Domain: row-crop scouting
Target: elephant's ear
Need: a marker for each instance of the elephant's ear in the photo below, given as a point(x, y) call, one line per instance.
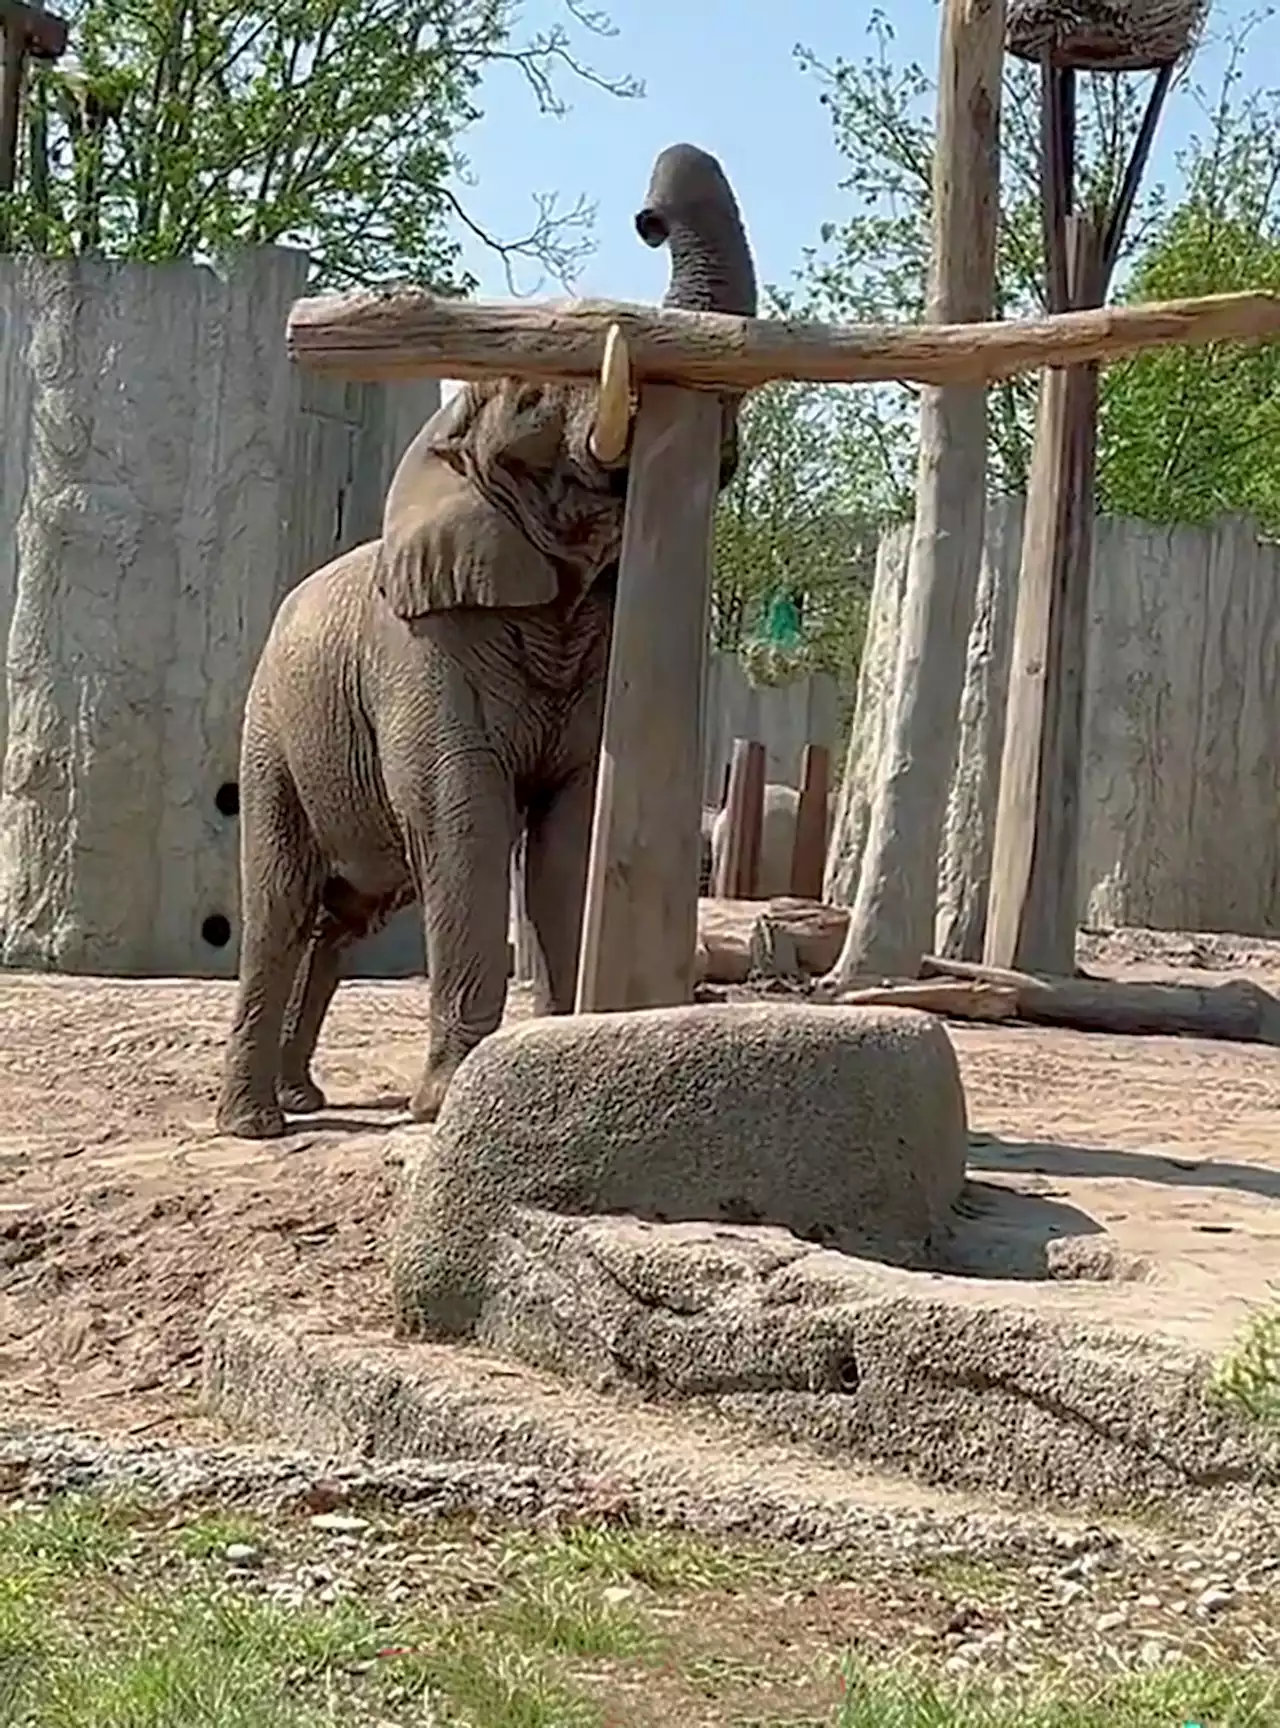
point(444, 543)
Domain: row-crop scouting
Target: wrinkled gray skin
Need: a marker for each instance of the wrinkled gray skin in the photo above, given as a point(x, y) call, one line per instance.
point(777, 838)
point(423, 698)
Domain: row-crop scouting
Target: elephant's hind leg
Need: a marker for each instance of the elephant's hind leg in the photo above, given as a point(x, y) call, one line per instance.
point(280, 880)
point(346, 918)
point(313, 988)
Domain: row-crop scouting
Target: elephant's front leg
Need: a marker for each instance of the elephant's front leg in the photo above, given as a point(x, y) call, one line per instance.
point(557, 847)
point(459, 850)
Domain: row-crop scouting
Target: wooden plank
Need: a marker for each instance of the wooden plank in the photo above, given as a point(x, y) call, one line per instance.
point(640, 917)
point(13, 56)
point(1033, 908)
point(739, 865)
point(892, 920)
point(809, 853)
point(385, 334)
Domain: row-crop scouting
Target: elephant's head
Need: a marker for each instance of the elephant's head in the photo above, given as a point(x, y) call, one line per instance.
point(513, 493)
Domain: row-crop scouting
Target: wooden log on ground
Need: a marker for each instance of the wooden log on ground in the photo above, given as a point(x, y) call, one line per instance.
point(801, 938)
point(739, 864)
point(640, 914)
point(1237, 1009)
point(892, 921)
point(809, 849)
point(386, 334)
point(950, 999)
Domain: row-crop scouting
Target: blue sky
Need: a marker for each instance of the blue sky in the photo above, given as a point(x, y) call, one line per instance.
point(719, 73)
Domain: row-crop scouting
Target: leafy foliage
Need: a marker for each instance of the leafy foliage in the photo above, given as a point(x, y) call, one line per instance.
point(182, 128)
point(1248, 1377)
point(1181, 431)
point(1190, 433)
point(787, 530)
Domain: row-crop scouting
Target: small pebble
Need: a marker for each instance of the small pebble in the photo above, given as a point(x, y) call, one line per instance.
point(1214, 1600)
point(1113, 1621)
point(241, 1554)
point(339, 1523)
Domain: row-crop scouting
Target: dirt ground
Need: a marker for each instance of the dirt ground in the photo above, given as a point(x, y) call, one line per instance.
point(123, 1215)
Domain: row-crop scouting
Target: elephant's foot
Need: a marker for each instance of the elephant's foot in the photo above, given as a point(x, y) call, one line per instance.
point(300, 1097)
point(425, 1104)
point(246, 1118)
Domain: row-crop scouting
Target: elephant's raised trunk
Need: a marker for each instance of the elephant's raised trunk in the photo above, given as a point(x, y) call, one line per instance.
point(690, 207)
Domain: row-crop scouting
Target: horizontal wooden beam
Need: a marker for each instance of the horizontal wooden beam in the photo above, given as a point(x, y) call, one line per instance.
point(407, 333)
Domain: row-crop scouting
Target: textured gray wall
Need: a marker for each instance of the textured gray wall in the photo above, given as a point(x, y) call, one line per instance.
point(1182, 763)
point(166, 475)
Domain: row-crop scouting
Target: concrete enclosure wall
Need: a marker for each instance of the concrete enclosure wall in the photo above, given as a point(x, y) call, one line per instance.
point(166, 475)
point(1181, 792)
point(782, 717)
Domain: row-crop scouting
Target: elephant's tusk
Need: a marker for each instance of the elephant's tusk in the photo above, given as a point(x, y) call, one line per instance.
point(613, 413)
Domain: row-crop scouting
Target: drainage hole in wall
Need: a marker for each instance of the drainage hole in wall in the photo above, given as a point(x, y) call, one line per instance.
point(844, 1374)
point(227, 798)
point(216, 930)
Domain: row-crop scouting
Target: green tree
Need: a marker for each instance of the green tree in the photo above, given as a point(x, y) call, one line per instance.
point(872, 267)
point(1188, 434)
point(793, 554)
point(180, 128)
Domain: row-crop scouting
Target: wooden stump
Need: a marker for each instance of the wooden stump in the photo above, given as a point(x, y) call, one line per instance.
point(744, 816)
point(809, 854)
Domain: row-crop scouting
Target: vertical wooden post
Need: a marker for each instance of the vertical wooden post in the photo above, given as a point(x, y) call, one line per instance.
point(892, 917)
point(25, 31)
point(640, 916)
point(744, 817)
point(1034, 902)
point(809, 853)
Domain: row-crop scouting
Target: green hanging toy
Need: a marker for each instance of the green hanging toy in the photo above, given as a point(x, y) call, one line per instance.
point(782, 622)
point(773, 656)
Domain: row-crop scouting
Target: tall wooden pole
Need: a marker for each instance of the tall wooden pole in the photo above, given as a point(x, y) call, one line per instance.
point(640, 916)
point(1033, 904)
point(25, 32)
point(891, 922)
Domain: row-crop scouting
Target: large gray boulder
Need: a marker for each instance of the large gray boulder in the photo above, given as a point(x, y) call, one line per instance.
point(844, 1126)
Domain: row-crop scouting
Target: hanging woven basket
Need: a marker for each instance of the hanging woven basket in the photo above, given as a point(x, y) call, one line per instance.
point(1105, 35)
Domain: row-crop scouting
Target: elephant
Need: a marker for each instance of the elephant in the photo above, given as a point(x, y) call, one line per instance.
point(777, 838)
point(426, 698)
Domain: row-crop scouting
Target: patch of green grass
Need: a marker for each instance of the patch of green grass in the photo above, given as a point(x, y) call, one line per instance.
point(559, 1614)
point(71, 1534)
point(1248, 1376)
point(214, 1532)
point(875, 1698)
point(979, 1580)
point(661, 1559)
point(105, 1622)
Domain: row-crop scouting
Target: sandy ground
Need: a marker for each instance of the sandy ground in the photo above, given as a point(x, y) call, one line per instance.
point(123, 1215)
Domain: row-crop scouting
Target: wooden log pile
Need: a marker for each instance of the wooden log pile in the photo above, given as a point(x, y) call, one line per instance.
point(798, 940)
